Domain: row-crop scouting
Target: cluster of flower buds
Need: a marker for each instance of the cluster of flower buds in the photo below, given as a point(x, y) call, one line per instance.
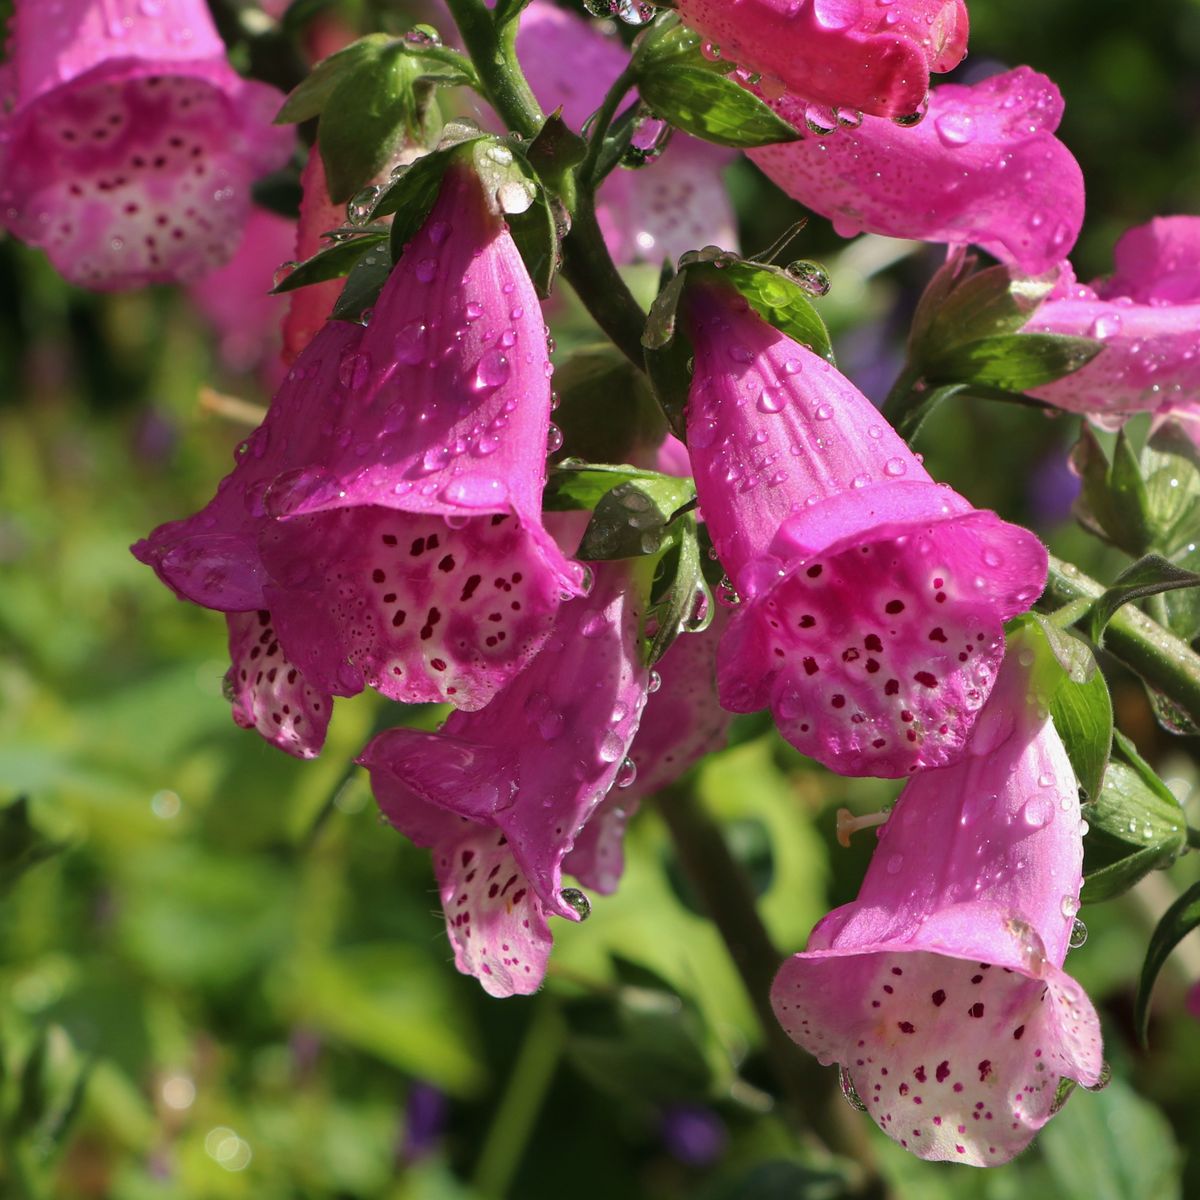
point(383, 528)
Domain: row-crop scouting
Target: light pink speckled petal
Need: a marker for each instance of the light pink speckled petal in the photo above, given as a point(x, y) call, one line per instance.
point(940, 990)
point(132, 147)
point(839, 52)
point(422, 611)
point(269, 693)
point(494, 919)
point(983, 167)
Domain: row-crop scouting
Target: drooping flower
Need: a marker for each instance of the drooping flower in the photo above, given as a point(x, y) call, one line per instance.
point(940, 989)
point(1147, 315)
point(875, 58)
point(674, 204)
point(983, 167)
point(681, 724)
point(130, 144)
point(236, 299)
point(387, 513)
point(872, 598)
point(501, 794)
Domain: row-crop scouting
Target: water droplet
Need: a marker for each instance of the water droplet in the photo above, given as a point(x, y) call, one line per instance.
point(425, 270)
point(811, 276)
point(955, 128)
point(612, 747)
point(820, 119)
point(1105, 326)
point(847, 1085)
point(292, 490)
point(1069, 906)
point(574, 899)
point(358, 211)
point(409, 346)
point(554, 438)
point(1037, 811)
point(1104, 1080)
point(626, 773)
point(654, 682)
point(772, 400)
point(824, 412)
point(492, 370)
point(1078, 935)
point(476, 491)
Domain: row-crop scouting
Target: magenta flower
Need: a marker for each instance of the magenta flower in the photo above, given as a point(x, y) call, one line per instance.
point(940, 990)
point(387, 513)
point(130, 144)
point(876, 58)
point(1147, 315)
point(675, 204)
point(682, 723)
point(873, 599)
point(236, 299)
point(983, 166)
point(501, 794)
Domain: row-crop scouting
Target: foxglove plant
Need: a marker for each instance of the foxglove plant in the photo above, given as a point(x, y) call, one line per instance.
point(838, 52)
point(982, 167)
point(1146, 315)
point(502, 794)
point(872, 598)
point(386, 515)
point(940, 989)
point(128, 144)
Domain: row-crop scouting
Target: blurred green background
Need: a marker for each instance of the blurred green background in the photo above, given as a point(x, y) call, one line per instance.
point(227, 979)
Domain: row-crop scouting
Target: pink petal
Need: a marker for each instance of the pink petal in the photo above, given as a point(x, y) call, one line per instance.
point(132, 145)
point(839, 52)
point(431, 423)
point(872, 599)
point(1158, 263)
point(269, 693)
point(983, 166)
point(939, 989)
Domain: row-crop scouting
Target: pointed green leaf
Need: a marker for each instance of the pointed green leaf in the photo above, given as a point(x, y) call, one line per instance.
point(310, 96)
point(1013, 362)
point(1177, 922)
point(331, 262)
point(1146, 577)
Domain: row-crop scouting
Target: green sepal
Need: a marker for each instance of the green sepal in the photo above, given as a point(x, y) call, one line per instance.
point(1149, 576)
point(330, 262)
point(1013, 362)
point(310, 96)
point(1177, 922)
point(631, 518)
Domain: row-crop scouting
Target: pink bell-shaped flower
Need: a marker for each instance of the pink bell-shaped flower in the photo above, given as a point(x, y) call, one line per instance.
point(872, 598)
point(982, 167)
point(872, 57)
point(387, 513)
point(682, 723)
point(940, 989)
point(130, 144)
point(501, 794)
point(1147, 315)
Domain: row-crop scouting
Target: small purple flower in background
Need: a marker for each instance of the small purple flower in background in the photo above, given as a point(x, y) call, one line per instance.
point(501, 794)
point(694, 1134)
point(1147, 315)
point(872, 598)
point(876, 58)
point(982, 167)
point(384, 522)
point(425, 1113)
point(130, 144)
point(939, 990)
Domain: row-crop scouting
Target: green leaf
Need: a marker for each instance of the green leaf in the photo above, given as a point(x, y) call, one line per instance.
point(369, 111)
point(571, 486)
point(678, 591)
point(1113, 502)
point(412, 195)
point(1146, 577)
point(331, 262)
point(1013, 362)
point(711, 106)
point(1132, 829)
point(310, 96)
point(364, 283)
point(631, 519)
point(1177, 922)
point(22, 844)
point(536, 236)
point(973, 307)
point(1110, 1145)
point(780, 301)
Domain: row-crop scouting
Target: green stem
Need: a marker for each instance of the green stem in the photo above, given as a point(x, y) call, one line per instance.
point(726, 895)
point(1066, 616)
point(902, 401)
point(600, 125)
point(1167, 664)
point(530, 1079)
